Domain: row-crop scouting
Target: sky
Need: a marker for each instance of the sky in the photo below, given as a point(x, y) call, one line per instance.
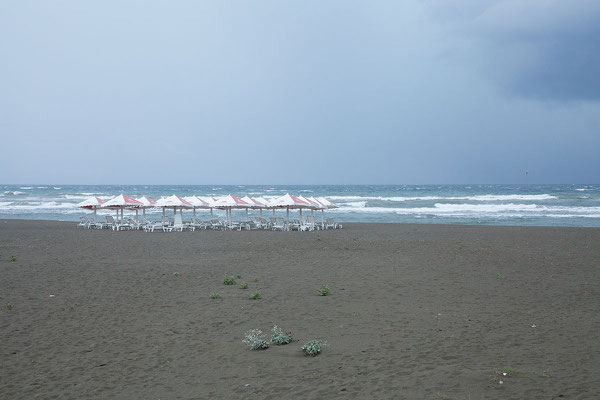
point(300, 92)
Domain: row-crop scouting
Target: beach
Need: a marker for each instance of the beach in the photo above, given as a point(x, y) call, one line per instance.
point(414, 311)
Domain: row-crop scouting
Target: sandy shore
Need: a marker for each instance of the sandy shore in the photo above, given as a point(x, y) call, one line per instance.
point(415, 311)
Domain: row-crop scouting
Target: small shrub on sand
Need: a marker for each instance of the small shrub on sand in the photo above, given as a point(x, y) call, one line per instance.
point(215, 295)
point(13, 258)
point(313, 348)
point(255, 296)
point(239, 276)
point(175, 273)
point(244, 285)
point(255, 279)
point(256, 340)
point(278, 337)
point(229, 280)
point(323, 290)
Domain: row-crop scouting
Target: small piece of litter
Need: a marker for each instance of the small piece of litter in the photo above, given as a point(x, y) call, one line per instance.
point(246, 385)
point(52, 295)
point(501, 382)
point(504, 373)
point(533, 326)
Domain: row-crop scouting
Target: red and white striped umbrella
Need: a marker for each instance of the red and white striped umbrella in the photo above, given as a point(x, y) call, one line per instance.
point(256, 204)
point(288, 201)
point(230, 202)
point(175, 202)
point(147, 203)
point(196, 202)
point(91, 203)
point(122, 202)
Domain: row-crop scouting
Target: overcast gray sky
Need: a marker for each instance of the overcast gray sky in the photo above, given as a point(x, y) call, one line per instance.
point(300, 92)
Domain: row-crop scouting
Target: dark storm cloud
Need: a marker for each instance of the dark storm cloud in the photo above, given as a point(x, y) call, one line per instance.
point(548, 50)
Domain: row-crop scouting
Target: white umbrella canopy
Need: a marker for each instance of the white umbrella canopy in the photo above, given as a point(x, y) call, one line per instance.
point(122, 202)
point(326, 203)
point(230, 202)
point(288, 201)
point(196, 202)
point(147, 203)
point(173, 202)
point(91, 203)
point(255, 203)
point(211, 202)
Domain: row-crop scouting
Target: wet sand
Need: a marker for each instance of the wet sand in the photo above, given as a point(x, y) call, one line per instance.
point(415, 311)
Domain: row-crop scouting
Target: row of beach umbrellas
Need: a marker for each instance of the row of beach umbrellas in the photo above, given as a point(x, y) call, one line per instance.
point(227, 203)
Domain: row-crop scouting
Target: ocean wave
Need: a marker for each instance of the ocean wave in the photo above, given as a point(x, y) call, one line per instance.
point(5, 203)
point(13, 192)
point(580, 190)
point(26, 187)
point(57, 188)
point(478, 210)
point(487, 197)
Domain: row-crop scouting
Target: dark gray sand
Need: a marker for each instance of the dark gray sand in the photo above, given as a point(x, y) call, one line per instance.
point(415, 311)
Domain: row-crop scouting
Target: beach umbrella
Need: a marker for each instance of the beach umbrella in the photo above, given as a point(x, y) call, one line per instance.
point(210, 201)
point(175, 202)
point(288, 202)
point(314, 204)
point(230, 202)
point(196, 202)
point(147, 203)
point(256, 204)
point(91, 203)
point(121, 202)
point(326, 204)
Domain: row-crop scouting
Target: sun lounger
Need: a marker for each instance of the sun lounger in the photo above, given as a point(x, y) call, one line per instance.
point(279, 224)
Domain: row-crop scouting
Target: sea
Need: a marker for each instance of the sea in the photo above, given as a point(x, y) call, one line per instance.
point(575, 205)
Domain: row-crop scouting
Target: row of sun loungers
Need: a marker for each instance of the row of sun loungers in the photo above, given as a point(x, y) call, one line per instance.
point(166, 225)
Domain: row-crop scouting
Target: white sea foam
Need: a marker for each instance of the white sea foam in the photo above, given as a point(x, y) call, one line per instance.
point(580, 190)
point(57, 188)
point(26, 187)
point(490, 197)
point(13, 193)
point(5, 203)
point(479, 210)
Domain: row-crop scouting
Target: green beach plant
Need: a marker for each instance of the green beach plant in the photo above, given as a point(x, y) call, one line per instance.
point(239, 276)
point(215, 295)
point(13, 258)
point(256, 340)
point(323, 290)
point(313, 348)
point(244, 285)
point(175, 273)
point(255, 296)
point(229, 280)
point(278, 337)
point(255, 279)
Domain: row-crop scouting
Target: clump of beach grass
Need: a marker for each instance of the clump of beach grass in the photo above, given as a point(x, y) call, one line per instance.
point(13, 258)
point(229, 280)
point(244, 285)
point(255, 339)
point(278, 337)
point(175, 273)
point(323, 290)
point(255, 296)
point(215, 295)
point(255, 279)
point(239, 276)
point(313, 348)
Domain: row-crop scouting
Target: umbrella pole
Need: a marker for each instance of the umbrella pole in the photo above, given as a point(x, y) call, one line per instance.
point(164, 211)
point(94, 214)
point(144, 213)
point(211, 212)
point(246, 214)
point(261, 212)
point(300, 215)
point(288, 216)
point(122, 209)
point(136, 214)
point(323, 218)
point(194, 212)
